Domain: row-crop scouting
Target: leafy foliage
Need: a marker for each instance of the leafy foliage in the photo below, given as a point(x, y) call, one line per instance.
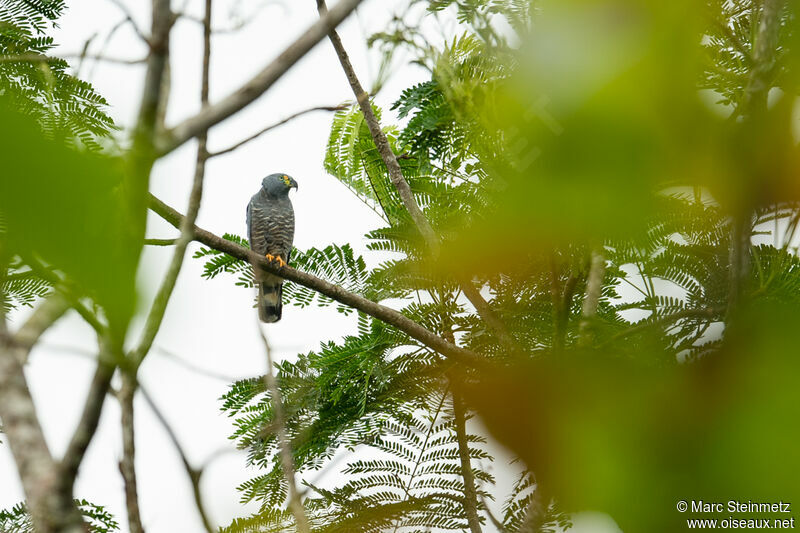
point(21, 287)
point(36, 89)
point(67, 109)
point(17, 519)
point(521, 197)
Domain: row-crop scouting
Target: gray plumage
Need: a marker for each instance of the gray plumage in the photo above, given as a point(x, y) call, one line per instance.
point(270, 230)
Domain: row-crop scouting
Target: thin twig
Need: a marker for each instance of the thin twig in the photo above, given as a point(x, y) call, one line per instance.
point(129, 18)
point(285, 450)
point(160, 242)
point(53, 279)
point(45, 315)
point(708, 313)
point(492, 518)
point(470, 492)
point(257, 85)
point(273, 126)
point(194, 368)
point(87, 425)
point(195, 474)
point(41, 58)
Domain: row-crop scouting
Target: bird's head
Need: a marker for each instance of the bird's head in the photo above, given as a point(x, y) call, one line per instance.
point(278, 184)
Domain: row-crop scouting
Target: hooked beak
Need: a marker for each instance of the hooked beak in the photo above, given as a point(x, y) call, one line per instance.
point(293, 184)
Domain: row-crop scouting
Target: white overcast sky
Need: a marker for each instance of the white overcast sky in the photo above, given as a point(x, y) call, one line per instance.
point(211, 324)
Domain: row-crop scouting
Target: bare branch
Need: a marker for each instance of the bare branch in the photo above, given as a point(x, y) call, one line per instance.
point(764, 56)
point(141, 162)
point(159, 307)
point(383, 313)
point(160, 242)
point(51, 507)
point(287, 460)
point(498, 525)
point(708, 313)
point(594, 283)
point(194, 474)
point(273, 126)
point(127, 466)
point(87, 426)
point(129, 18)
point(53, 279)
point(254, 88)
point(470, 492)
point(45, 315)
point(40, 58)
point(194, 368)
point(753, 106)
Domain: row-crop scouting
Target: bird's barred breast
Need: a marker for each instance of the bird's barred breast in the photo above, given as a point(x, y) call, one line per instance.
point(272, 229)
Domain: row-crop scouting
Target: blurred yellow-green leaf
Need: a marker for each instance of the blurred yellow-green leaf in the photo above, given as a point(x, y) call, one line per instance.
point(70, 210)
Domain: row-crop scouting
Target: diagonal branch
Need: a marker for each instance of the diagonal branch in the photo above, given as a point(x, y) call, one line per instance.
point(45, 315)
point(287, 459)
point(129, 18)
point(404, 190)
point(262, 81)
point(90, 418)
point(273, 126)
point(194, 474)
point(383, 313)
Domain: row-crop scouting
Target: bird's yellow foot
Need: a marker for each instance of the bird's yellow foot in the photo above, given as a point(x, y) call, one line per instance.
point(277, 258)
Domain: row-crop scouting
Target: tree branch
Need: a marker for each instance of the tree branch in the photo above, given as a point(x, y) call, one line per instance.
point(51, 507)
point(256, 86)
point(53, 279)
point(157, 60)
point(127, 465)
point(591, 300)
point(754, 106)
point(709, 313)
point(41, 58)
point(129, 18)
point(45, 315)
point(764, 52)
point(194, 474)
point(159, 307)
point(470, 492)
point(273, 126)
point(87, 426)
point(383, 313)
point(285, 449)
point(142, 157)
point(160, 242)
point(404, 190)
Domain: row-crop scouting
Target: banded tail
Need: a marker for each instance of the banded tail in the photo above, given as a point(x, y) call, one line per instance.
point(269, 301)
